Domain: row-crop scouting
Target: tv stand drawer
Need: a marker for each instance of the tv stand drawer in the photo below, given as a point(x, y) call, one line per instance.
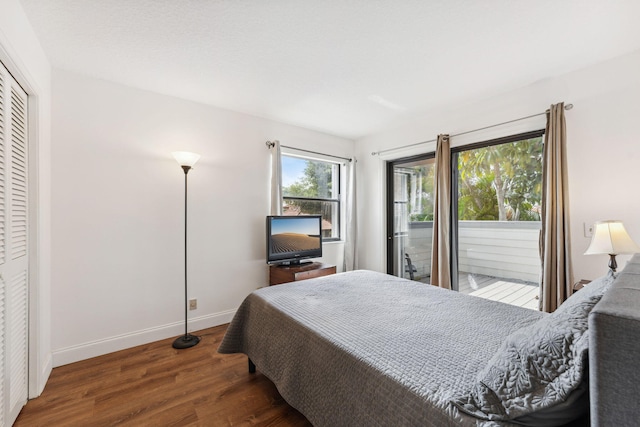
point(285, 273)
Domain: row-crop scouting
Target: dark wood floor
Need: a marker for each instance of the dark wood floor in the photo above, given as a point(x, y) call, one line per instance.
point(156, 385)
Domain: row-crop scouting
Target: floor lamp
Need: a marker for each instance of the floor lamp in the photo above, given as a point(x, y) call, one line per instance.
point(186, 161)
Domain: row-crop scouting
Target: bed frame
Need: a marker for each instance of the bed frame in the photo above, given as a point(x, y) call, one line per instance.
point(614, 352)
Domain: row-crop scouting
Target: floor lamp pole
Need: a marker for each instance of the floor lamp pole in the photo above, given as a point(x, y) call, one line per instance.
point(187, 340)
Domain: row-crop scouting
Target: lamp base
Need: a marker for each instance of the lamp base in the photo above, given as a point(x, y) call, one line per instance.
point(186, 341)
point(613, 265)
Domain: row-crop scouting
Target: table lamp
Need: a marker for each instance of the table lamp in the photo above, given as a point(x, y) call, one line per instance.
point(610, 237)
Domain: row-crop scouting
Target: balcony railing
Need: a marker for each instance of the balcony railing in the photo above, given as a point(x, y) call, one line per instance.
point(491, 254)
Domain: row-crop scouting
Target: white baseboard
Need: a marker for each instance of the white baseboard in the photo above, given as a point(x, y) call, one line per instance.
point(42, 377)
point(91, 349)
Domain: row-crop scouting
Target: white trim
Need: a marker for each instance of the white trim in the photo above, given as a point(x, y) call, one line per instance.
point(47, 367)
point(38, 372)
point(100, 347)
point(333, 242)
point(37, 381)
point(301, 153)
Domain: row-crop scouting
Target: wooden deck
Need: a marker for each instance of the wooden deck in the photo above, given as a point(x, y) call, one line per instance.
point(515, 292)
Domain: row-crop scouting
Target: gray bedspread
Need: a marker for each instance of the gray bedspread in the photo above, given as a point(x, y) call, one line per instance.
point(368, 349)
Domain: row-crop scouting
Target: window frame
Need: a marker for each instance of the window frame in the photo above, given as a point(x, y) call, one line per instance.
point(339, 166)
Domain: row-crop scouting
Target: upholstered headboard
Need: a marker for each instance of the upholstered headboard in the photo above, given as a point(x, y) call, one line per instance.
point(614, 351)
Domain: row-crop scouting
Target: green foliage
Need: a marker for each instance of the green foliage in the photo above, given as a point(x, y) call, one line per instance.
point(477, 201)
point(420, 209)
point(421, 217)
point(501, 182)
point(315, 183)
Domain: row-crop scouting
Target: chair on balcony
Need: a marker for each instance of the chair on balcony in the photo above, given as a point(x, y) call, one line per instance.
point(410, 268)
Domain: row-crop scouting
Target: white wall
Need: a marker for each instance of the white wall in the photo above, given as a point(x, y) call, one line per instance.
point(603, 150)
point(22, 54)
point(118, 213)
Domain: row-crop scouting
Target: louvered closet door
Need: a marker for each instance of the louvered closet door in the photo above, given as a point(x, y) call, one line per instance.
point(13, 248)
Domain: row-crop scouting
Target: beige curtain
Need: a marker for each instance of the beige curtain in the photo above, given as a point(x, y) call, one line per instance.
point(555, 242)
point(441, 248)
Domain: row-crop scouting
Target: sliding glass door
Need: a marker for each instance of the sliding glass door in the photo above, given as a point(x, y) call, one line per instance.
point(498, 185)
point(495, 224)
point(410, 217)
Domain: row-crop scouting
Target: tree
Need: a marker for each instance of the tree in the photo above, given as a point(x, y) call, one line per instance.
point(515, 173)
point(525, 186)
point(419, 190)
point(316, 183)
point(478, 202)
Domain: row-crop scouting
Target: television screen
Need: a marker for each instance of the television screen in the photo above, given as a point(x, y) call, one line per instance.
point(293, 238)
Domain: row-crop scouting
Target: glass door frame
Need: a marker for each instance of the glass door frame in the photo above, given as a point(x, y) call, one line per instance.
point(390, 165)
point(455, 151)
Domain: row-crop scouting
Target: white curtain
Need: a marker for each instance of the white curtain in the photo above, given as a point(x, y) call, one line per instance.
point(351, 230)
point(276, 178)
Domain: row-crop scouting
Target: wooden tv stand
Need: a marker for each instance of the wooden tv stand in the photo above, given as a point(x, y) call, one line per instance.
point(292, 273)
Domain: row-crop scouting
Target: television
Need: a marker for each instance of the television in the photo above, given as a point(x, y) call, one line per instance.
point(291, 239)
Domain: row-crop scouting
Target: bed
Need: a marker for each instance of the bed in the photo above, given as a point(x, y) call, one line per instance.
point(368, 349)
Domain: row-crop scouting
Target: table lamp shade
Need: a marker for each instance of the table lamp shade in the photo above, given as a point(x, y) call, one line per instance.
point(610, 237)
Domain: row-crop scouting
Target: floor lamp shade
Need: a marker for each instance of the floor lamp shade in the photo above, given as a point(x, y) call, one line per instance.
point(186, 160)
point(611, 238)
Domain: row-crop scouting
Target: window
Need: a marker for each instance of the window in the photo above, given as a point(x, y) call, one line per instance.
point(501, 181)
point(312, 187)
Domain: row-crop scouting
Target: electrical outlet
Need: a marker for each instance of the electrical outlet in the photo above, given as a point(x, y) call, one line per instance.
point(588, 229)
point(193, 304)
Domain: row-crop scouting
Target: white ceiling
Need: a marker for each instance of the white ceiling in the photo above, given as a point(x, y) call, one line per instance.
point(344, 67)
